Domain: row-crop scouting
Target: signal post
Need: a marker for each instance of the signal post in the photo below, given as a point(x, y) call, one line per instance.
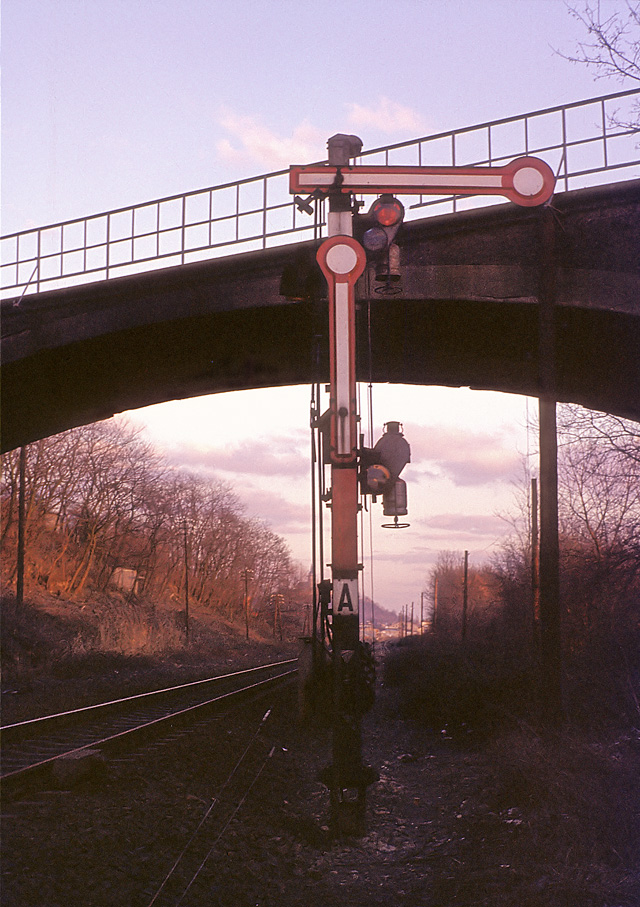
point(526, 181)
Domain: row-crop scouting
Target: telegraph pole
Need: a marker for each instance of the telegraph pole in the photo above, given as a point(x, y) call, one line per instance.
point(465, 594)
point(549, 581)
point(186, 582)
point(435, 603)
point(246, 573)
point(22, 495)
point(535, 559)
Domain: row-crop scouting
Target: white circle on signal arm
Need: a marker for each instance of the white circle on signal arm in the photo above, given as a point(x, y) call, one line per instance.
point(341, 258)
point(528, 181)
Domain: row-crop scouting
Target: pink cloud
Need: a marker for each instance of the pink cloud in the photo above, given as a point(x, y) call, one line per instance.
point(387, 116)
point(465, 525)
point(277, 457)
point(466, 458)
point(249, 141)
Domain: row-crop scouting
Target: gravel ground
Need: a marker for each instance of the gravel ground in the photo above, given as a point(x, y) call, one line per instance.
point(439, 831)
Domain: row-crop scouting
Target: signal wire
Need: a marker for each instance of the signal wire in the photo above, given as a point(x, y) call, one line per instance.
point(214, 801)
point(314, 563)
point(227, 823)
point(370, 418)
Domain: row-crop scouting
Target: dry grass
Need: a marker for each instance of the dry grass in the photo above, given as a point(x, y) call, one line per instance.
point(131, 628)
point(53, 638)
point(38, 639)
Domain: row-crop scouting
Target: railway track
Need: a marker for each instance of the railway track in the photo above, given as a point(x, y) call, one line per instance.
point(32, 746)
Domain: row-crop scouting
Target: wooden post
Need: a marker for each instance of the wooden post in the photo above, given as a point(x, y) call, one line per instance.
point(465, 585)
point(246, 601)
point(535, 559)
point(435, 604)
point(550, 623)
point(186, 583)
point(22, 493)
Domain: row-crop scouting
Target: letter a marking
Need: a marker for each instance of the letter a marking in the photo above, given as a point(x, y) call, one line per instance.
point(345, 599)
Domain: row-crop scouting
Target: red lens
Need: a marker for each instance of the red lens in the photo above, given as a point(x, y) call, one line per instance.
point(387, 213)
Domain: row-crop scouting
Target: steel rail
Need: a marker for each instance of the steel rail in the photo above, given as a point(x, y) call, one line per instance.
point(109, 738)
point(257, 211)
point(146, 695)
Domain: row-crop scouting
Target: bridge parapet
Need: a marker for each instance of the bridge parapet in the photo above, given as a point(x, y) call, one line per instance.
point(577, 140)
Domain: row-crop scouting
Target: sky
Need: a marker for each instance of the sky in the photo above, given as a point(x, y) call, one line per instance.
point(106, 103)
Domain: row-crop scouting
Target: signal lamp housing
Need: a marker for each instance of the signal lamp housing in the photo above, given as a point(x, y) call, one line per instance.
point(377, 228)
point(376, 231)
point(302, 279)
point(377, 478)
point(394, 500)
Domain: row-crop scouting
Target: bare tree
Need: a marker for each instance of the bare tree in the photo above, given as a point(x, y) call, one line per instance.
point(612, 48)
point(100, 497)
point(599, 461)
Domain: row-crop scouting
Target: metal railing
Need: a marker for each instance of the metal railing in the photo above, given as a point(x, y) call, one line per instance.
point(585, 143)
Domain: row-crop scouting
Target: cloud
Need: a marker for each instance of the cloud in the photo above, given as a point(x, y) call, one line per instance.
point(284, 516)
point(250, 142)
point(416, 556)
point(465, 525)
point(278, 457)
point(466, 458)
point(389, 117)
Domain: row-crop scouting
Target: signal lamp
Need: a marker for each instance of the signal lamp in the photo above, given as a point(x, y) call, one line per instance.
point(387, 210)
point(378, 477)
point(376, 231)
point(375, 239)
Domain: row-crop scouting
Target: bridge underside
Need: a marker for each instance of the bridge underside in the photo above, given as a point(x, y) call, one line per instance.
point(468, 316)
point(483, 345)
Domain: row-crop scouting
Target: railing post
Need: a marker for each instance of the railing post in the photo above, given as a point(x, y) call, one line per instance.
point(264, 213)
point(108, 249)
point(183, 232)
point(565, 156)
point(38, 257)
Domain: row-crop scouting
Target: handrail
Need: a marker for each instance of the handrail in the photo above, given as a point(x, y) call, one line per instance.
point(257, 212)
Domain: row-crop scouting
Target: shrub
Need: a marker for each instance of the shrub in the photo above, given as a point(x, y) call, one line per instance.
point(469, 689)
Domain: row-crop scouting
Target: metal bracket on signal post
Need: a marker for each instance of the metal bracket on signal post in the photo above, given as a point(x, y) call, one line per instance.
point(527, 181)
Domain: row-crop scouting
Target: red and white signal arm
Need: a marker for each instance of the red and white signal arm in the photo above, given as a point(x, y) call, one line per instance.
point(526, 181)
point(342, 260)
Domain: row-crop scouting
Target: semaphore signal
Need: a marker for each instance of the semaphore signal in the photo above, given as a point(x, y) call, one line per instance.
point(355, 469)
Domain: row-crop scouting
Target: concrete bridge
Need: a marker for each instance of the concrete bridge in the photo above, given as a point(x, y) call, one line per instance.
point(467, 315)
